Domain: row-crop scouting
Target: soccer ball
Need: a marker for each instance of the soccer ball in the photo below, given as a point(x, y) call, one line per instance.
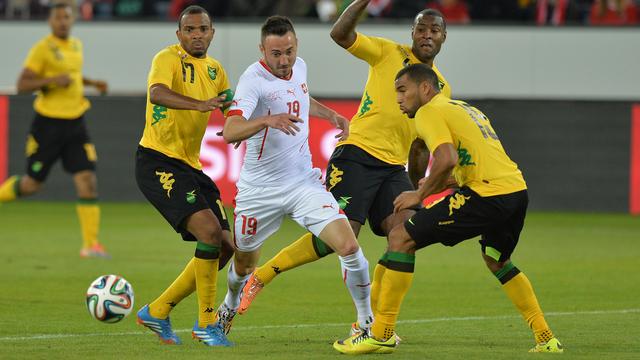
point(110, 298)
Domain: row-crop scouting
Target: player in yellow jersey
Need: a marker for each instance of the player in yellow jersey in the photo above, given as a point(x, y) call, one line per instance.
point(491, 202)
point(367, 171)
point(184, 86)
point(53, 68)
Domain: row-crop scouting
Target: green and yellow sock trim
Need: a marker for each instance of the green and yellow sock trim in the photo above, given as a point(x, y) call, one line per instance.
point(508, 272)
point(320, 247)
point(398, 261)
point(206, 251)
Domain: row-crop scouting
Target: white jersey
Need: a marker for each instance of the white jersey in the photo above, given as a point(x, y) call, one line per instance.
point(274, 158)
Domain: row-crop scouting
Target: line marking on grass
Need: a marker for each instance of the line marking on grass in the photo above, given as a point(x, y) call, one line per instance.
point(285, 326)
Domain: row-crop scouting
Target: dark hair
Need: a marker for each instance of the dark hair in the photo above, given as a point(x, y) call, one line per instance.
point(193, 9)
point(276, 25)
point(419, 73)
point(59, 5)
point(431, 12)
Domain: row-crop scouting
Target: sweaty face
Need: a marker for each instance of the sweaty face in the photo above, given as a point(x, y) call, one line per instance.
point(195, 34)
point(428, 36)
point(280, 53)
point(407, 96)
point(60, 21)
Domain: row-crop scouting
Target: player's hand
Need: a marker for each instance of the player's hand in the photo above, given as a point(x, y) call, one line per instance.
point(217, 102)
point(421, 182)
point(406, 200)
point(101, 86)
point(284, 122)
point(342, 123)
point(235, 144)
point(62, 80)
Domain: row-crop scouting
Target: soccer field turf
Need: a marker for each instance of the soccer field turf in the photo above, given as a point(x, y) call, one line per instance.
point(584, 269)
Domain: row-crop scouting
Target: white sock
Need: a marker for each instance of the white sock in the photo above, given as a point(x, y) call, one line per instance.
point(355, 272)
point(235, 283)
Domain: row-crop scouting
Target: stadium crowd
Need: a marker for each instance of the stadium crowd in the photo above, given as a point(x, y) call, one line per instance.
point(541, 12)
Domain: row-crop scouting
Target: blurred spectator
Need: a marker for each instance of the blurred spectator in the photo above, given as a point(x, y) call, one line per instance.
point(613, 12)
point(18, 9)
point(454, 11)
point(489, 10)
point(406, 9)
point(557, 12)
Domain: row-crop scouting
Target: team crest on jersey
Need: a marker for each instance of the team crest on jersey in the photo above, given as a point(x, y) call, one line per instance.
point(291, 91)
point(273, 96)
point(213, 72)
point(304, 88)
point(440, 84)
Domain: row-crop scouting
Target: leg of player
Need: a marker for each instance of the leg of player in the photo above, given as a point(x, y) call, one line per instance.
point(355, 267)
point(395, 280)
point(519, 290)
point(244, 263)
point(88, 213)
point(18, 186)
point(205, 227)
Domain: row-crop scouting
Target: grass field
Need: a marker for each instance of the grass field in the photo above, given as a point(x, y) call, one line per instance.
point(584, 268)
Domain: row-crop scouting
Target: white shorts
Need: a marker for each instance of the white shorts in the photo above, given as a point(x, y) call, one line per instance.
point(259, 211)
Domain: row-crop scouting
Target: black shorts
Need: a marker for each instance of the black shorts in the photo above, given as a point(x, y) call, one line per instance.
point(464, 214)
point(50, 139)
point(364, 186)
point(177, 190)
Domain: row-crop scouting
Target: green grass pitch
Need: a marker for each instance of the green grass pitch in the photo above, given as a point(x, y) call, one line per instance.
point(584, 268)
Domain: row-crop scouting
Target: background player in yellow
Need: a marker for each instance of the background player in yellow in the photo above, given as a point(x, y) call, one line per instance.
point(367, 170)
point(53, 68)
point(491, 202)
point(184, 86)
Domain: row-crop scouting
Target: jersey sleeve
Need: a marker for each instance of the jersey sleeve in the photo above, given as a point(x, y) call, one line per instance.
point(163, 69)
point(36, 58)
point(431, 127)
point(246, 97)
point(367, 48)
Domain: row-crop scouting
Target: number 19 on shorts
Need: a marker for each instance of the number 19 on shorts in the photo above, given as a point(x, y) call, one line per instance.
point(249, 225)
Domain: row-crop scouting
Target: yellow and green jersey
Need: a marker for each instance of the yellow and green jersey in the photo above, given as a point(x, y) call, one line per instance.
point(483, 164)
point(52, 56)
point(379, 127)
point(178, 133)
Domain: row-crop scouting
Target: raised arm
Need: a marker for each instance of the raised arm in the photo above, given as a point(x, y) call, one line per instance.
point(344, 30)
point(319, 110)
point(160, 94)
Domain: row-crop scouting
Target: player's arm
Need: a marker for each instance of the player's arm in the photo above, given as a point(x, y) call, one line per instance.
point(344, 30)
point(418, 161)
point(237, 128)
point(160, 94)
point(100, 85)
point(445, 158)
point(317, 109)
point(29, 81)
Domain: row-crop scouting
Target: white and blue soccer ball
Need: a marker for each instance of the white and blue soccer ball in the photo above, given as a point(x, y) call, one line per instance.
point(110, 298)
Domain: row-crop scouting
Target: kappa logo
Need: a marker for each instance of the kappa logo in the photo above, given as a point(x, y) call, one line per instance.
point(166, 181)
point(334, 177)
point(464, 156)
point(366, 104)
point(456, 202)
point(159, 113)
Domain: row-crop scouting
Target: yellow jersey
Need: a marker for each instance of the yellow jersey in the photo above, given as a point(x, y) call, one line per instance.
point(379, 127)
point(52, 56)
point(178, 133)
point(483, 164)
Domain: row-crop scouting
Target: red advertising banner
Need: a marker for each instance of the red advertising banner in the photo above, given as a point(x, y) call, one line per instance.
point(222, 163)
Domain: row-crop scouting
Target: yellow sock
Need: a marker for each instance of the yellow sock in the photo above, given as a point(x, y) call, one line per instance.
point(394, 285)
point(302, 251)
point(89, 215)
point(520, 291)
point(378, 272)
point(182, 287)
point(206, 262)
point(9, 189)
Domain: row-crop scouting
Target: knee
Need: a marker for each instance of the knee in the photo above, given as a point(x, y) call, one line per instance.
point(400, 241)
point(492, 264)
point(348, 248)
point(211, 235)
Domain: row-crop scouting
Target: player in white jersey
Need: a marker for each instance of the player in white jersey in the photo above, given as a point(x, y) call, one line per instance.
point(271, 110)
